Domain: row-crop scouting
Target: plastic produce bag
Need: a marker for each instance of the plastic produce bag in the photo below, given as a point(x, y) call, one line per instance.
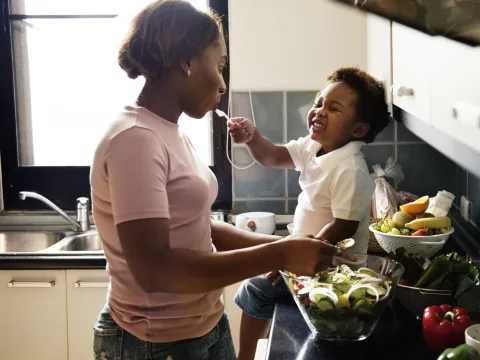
point(384, 201)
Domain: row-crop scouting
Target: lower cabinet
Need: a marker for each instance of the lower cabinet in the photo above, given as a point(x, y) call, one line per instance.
point(49, 314)
point(86, 296)
point(33, 315)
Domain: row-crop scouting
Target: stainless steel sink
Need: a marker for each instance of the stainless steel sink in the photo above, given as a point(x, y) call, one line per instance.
point(89, 241)
point(28, 241)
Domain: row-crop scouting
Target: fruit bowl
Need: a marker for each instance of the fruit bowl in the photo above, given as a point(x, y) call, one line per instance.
point(345, 302)
point(418, 246)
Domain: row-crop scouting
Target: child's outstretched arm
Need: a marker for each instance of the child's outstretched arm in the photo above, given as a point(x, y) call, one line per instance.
point(266, 153)
point(338, 230)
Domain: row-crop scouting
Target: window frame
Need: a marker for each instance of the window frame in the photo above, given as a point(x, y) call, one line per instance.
point(64, 184)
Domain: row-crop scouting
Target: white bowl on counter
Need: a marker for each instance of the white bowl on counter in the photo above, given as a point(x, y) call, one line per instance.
point(290, 228)
point(259, 222)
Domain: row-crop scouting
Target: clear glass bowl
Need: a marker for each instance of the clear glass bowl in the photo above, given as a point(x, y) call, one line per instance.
point(347, 321)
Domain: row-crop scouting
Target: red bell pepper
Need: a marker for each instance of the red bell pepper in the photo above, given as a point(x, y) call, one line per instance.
point(444, 327)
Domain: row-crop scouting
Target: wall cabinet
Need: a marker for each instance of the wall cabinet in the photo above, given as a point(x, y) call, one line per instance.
point(379, 48)
point(411, 60)
point(455, 90)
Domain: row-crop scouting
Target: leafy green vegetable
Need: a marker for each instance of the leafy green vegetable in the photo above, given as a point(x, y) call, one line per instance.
point(436, 272)
point(463, 284)
point(470, 301)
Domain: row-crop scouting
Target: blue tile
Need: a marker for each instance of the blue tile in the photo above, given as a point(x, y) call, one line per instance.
point(426, 170)
point(460, 184)
point(388, 134)
point(268, 110)
point(299, 104)
point(377, 154)
point(474, 197)
point(256, 181)
point(293, 185)
point(403, 134)
point(274, 206)
point(291, 205)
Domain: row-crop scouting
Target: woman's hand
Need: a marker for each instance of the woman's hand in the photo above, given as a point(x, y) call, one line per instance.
point(304, 255)
point(241, 129)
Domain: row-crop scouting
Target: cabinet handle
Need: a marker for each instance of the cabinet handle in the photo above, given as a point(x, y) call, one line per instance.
point(31, 284)
point(402, 91)
point(91, 284)
point(467, 113)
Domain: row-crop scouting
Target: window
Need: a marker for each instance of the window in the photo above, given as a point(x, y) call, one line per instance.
point(63, 86)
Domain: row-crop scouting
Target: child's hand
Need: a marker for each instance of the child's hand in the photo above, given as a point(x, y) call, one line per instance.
point(275, 276)
point(241, 130)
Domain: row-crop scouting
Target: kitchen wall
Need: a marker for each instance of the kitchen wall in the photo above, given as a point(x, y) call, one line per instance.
point(281, 116)
point(1, 187)
point(292, 45)
point(283, 51)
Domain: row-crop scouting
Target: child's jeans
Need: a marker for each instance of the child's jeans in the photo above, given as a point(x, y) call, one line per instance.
point(257, 296)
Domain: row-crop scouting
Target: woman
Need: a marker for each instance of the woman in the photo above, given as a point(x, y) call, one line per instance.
point(152, 197)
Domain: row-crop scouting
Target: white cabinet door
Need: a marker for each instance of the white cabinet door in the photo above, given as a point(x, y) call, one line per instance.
point(33, 315)
point(86, 296)
point(411, 75)
point(379, 60)
point(455, 72)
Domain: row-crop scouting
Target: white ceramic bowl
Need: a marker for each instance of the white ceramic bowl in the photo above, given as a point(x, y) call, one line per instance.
point(422, 246)
point(290, 228)
point(259, 222)
point(472, 336)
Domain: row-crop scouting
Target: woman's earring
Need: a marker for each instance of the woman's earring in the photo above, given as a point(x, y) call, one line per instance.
point(188, 73)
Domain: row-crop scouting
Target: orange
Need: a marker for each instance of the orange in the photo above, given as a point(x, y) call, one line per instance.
point(417, 207)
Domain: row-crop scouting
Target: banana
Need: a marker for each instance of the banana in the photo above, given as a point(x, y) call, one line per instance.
point(429, 223)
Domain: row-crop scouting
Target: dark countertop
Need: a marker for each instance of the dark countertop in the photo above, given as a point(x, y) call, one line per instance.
point(398, 335)
point(44, 262)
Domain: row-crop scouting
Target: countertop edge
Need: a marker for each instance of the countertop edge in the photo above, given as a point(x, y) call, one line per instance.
point(54, 262)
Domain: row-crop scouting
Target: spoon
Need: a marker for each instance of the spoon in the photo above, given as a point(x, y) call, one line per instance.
point(345, 244)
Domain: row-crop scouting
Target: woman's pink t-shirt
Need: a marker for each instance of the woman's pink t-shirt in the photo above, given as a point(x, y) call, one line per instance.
point(146, 167)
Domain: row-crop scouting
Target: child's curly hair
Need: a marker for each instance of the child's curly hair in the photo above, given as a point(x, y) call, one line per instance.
point(372, 108)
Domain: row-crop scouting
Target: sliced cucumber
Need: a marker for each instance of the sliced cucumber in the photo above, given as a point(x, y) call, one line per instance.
point(368, 272)
point(380, 289)
point(357, 294)
point(342, 288)
point(359, 303)
point(325, 304)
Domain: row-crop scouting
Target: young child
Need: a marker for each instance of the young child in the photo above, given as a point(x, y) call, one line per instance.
point(336, 186)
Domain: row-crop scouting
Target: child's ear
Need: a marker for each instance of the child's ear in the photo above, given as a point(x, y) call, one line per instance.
point(360, 129)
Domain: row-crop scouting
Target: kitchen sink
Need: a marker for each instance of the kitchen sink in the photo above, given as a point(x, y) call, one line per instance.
point(28, 241)
point(89, 241)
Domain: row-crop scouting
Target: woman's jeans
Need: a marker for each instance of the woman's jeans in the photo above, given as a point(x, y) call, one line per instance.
point(111, 342)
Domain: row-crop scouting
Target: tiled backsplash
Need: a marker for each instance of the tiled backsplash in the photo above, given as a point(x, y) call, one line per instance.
point(281, 116)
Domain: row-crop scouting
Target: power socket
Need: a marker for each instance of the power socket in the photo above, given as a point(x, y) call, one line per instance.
point(465, 208)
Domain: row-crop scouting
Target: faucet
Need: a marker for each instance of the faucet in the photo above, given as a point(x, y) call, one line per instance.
point(83, 221)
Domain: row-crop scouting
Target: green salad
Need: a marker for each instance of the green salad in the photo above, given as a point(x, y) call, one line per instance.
point(341, 303)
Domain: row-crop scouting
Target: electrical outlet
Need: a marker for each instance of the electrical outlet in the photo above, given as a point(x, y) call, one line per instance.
point(465, 208)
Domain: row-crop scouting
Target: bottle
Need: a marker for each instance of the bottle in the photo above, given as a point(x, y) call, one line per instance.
point(443, 203)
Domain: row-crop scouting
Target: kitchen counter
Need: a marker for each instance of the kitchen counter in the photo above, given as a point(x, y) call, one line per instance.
point(398, 336)
point(47, 262)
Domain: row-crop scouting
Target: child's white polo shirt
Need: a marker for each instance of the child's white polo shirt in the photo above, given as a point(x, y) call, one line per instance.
point(334, 185)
